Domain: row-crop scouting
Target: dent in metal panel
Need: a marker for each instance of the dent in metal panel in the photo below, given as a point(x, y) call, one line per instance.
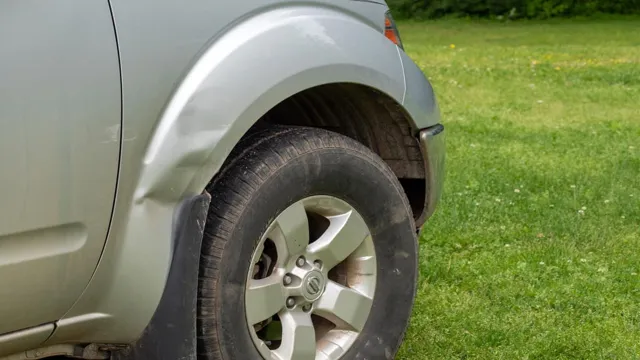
point(313, 49)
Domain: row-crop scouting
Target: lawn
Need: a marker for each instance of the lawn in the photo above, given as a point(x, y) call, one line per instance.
point(534, 252)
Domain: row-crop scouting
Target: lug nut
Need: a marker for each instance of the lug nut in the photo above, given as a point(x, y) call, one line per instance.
point(300, 262)
point(291, 302)
point(306, 308)
point(318, 264)
point(287, 280)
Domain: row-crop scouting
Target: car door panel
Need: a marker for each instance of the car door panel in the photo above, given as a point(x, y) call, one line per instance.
point(59, 148)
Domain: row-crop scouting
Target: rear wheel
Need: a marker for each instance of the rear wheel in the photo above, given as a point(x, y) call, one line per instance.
point(309, 252)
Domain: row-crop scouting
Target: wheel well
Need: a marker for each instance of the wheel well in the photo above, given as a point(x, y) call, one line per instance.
point(366, 115)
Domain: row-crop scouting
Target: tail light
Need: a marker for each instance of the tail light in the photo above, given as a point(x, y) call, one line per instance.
point(391, 31)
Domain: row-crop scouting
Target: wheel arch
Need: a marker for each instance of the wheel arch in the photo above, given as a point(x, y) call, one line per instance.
point(334, 56)
point(245, 74)
point(367, 115)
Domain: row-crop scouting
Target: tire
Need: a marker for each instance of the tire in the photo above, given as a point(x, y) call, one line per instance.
point(267, 172)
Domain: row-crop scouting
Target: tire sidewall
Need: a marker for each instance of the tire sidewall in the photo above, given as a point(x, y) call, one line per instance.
point(372, 190)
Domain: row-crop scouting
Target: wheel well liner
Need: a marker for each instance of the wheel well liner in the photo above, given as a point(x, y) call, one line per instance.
point(366, 115)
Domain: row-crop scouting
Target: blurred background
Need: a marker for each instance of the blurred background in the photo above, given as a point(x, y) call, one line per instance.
point(513, 9)
point(534, 251)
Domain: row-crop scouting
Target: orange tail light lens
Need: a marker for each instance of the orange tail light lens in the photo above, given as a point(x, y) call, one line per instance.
point(391, 31)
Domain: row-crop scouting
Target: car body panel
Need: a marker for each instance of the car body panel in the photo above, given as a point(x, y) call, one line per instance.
point(419, 100)
point(195, 77)
point(59, 148)
point(24, 339)
point(222, 66)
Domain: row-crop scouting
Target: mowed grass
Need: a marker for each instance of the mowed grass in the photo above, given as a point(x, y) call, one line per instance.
point(534, 252)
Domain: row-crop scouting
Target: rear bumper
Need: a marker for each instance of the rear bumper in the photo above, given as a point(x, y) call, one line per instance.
point(432, 145)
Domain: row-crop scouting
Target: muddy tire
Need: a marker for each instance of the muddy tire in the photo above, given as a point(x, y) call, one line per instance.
point(323, 178)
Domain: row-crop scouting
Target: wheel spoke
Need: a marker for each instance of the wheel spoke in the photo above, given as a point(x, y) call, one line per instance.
point(298, 337)
point(345, 233)
point(346, 308)
point(264, 298)
point(293, 235)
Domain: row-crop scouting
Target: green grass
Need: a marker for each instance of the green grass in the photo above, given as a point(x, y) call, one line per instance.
point(534, 252)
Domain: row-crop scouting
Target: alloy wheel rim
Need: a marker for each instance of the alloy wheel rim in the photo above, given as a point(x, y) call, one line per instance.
point(312, 280)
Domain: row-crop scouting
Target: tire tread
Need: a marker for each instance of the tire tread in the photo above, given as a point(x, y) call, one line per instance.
point(256, 158)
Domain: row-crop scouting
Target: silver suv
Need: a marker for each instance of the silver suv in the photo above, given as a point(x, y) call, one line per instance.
point(210, 179)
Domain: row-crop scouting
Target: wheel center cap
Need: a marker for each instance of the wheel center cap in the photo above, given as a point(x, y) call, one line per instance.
point(313, 285)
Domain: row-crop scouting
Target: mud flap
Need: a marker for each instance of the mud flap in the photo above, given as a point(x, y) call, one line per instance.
point(171, 334)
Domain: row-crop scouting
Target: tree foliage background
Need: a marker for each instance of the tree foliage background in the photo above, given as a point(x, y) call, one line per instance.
point(511, 8)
